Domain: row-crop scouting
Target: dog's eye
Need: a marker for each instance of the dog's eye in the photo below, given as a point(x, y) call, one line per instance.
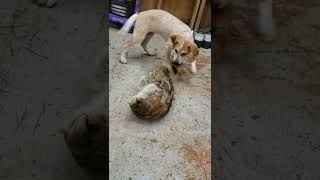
point(176, 51)
point(183, 54)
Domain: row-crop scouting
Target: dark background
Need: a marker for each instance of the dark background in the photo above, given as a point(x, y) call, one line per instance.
point(49, 62)
point(266, 104)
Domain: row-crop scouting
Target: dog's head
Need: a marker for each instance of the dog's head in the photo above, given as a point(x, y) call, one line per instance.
point(183, 50)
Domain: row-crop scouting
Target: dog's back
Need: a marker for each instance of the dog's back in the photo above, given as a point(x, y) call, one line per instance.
point(162, 22)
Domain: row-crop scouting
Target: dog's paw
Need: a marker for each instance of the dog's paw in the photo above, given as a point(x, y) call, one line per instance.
point(123, 61)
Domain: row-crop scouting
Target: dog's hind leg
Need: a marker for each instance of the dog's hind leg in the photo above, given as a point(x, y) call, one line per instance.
point(145, 42)
point(132, 41)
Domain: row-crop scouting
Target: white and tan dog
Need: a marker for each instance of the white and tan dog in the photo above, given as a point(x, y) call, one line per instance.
point(179, 45)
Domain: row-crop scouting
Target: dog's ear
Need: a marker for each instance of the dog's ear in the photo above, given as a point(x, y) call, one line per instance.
point(174, 39)
point(193, 48)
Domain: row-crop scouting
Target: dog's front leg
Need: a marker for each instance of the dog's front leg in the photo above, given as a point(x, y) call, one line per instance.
point(194, 67)
point(123, 58)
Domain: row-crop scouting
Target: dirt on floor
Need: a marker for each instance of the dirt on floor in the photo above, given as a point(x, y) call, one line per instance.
point(267, 93)
point(48, 67)
point(176, 146)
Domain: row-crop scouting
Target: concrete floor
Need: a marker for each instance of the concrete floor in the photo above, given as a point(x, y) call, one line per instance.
point(176, 146)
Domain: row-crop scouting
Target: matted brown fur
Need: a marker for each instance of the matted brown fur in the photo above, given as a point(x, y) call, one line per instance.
point(154, 99)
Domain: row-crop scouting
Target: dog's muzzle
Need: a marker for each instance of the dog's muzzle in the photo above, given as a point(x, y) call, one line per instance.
point(176, 63)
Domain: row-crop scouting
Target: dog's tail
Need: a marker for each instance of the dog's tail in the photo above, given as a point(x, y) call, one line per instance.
point(126, 27)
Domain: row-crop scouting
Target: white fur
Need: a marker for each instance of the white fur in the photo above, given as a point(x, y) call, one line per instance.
point(126, 27)
point(194, 67)
point(191, 35)
point(150, 88)
point(156, 21)
point(141, 80)
point(174, 55)
point(188, 35)
point(123, 56)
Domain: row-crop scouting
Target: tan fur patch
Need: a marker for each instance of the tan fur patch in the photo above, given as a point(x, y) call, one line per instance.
point(177, 39)
point(190, 47)
point(187, 47)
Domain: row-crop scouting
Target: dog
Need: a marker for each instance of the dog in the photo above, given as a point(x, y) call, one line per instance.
point(179, 43)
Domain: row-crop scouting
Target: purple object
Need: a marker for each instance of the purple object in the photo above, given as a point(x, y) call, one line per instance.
point(118, 19)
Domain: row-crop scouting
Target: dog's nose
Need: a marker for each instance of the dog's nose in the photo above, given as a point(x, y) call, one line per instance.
point(176, 62)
